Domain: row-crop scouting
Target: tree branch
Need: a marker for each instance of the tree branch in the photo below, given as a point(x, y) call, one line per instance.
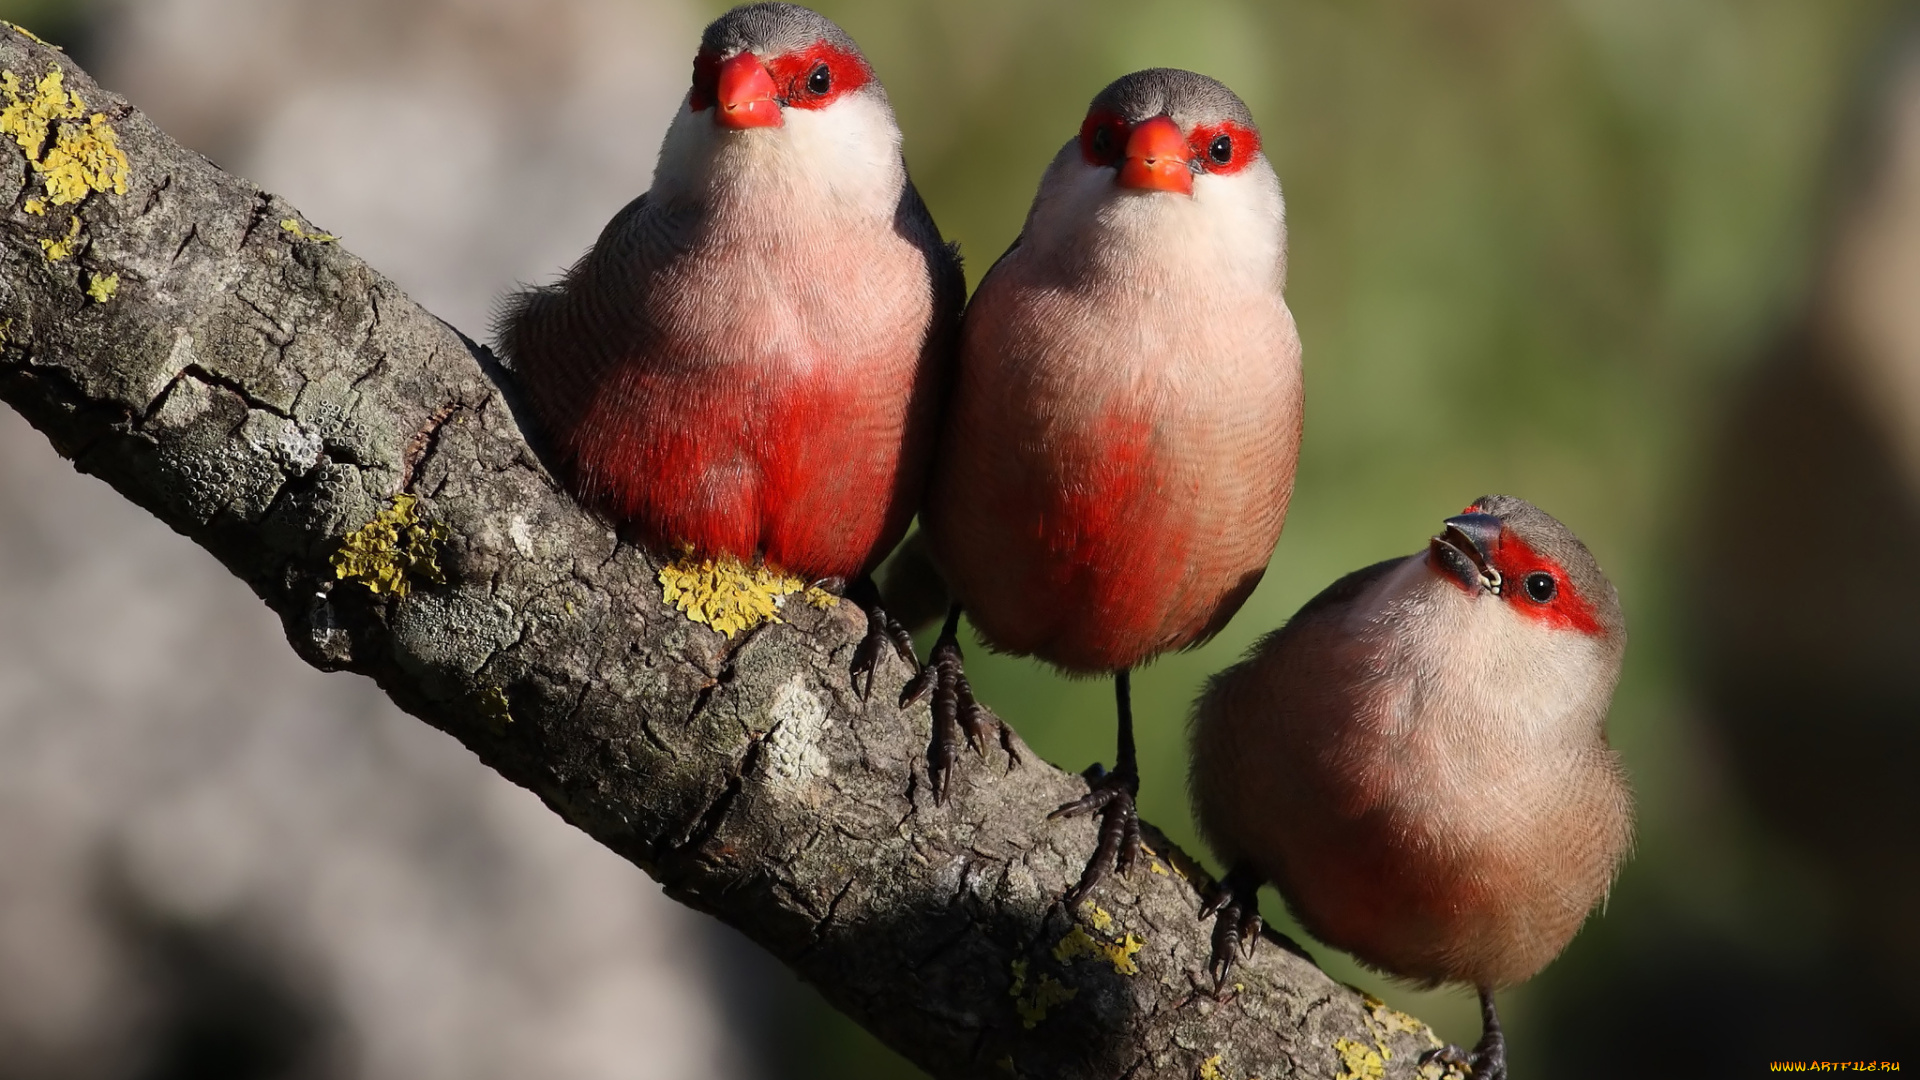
point(265, 393)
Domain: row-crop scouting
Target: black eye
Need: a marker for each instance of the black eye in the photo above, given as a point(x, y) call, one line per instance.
point(1541, 587)
point(1220, 149)
point(821, 80)
point(1102, 141)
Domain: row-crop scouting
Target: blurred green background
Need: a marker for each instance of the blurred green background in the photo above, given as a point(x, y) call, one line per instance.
point(1536, 248)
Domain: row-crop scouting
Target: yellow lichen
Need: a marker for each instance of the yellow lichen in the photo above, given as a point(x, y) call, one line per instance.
point(28, 34)
point(85, 156)
point(103, 286)
point(1100, 917)
point(27, 118)
point(1358, 1061)
point(1210, 1069)
point(35, 206)
point(292, 225)
point(730, 596)
point(1387, 1020)
point(494, 708)
point(63, 247)
point(1032, 1003)
point(1079, 943)
point(391, 552)
point(5, 325)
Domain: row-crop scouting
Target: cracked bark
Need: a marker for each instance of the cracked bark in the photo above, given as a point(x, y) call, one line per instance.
point(265, 394)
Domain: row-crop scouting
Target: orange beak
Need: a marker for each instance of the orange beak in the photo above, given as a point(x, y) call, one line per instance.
point(746, 95)
point(1156, 158)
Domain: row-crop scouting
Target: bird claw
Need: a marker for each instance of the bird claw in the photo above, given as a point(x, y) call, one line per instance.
point(957, 716)
point(1112, 797)
point(1472, 1066)
point(882, 630)
point(1488, 1059)
point(1236, 903)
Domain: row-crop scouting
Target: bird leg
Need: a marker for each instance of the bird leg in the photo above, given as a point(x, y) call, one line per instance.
point(1112, 796)
point(1236, 903)
point(956, 715)
point(882, 630)
point(1488, 1061)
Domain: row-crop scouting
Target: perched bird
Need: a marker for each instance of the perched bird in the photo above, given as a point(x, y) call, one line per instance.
point(749, 361)
point(1120, 446)
point(1418, 760)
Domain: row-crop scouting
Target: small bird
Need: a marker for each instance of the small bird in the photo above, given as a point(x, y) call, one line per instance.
point(1418, 761)
point(750, 360)
point(1120, 445)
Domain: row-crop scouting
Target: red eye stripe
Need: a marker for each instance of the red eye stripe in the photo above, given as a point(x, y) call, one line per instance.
point(1246, 143)
point(848, 72)
point(1567, 610)
point(790, 73)
point(1115, 127)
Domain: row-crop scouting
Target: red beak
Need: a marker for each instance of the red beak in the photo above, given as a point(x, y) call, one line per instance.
point(1157, 158)
point(746, 95)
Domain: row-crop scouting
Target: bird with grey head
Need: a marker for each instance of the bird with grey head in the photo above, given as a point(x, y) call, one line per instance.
point(1418, 761)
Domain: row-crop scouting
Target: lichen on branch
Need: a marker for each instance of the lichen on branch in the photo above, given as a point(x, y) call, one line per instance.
point(85, 156)
point(394, 551)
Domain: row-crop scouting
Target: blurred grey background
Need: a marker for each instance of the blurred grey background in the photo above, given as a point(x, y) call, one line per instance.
point(1654, 264)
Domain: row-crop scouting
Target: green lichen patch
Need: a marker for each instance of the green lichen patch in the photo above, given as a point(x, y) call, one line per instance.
point(1032, 1002)
point(393, 551)
point(729, 595)
point(84, 155)
point(103, 286)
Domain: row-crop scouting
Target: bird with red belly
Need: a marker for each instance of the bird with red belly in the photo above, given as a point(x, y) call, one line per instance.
point(1120, 445)
point(1418, 761)
point(749, 361)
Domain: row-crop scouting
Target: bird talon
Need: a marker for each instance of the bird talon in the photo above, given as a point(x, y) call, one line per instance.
point(1235, 909)
point(866, 658)
point(957, 716)
point(882, 630)
point(917, 686)
point(1119, 845)
point(902, 641)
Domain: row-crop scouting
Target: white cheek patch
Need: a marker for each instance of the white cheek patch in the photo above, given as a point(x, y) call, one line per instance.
point(844, 158)
point(686, 152)
point(849, 152)
point(1230, 225)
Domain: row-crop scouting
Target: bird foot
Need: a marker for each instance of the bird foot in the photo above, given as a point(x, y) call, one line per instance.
point(1235, 907)
point(1488, 1060)
point(1478, 1065)
point(956, 715)
point(1112, 797)
point(882, 630)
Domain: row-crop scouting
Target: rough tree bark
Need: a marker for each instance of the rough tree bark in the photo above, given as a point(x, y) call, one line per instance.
point(197, 345)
